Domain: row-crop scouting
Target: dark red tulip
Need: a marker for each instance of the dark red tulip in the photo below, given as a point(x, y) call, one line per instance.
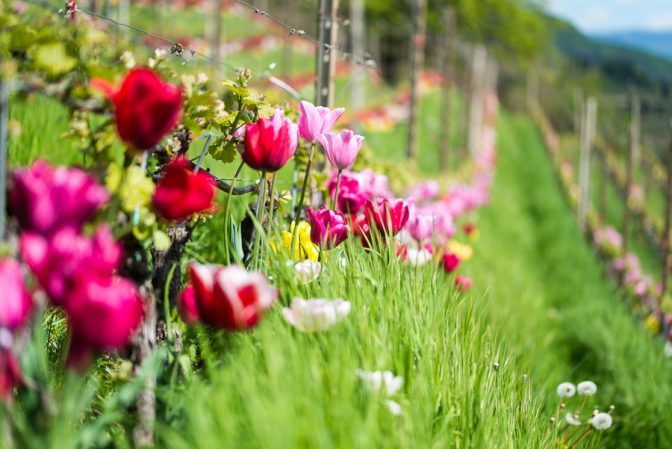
point(186, 305)
point(389, 217)
point(10, 374)
point(270, 142)
point(449, 262)
point(181, 193)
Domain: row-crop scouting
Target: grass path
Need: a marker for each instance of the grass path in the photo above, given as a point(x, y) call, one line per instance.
point(546, 293)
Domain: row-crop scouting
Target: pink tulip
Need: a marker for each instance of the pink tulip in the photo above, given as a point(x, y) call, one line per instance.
point(103, 312)
point(462, 283)
point(351, 198)
point(270, 143)
point(45, 199)
point(449, 262)
point(10, 374)
point(328, 228)
point(420, 226)
point(423, 191)
point(231, 297)
point(389, 217)
point(186, 305)
point(373, 184)
point(16, 303)
point(342, 148)
point(315, 121)
point(60, 260)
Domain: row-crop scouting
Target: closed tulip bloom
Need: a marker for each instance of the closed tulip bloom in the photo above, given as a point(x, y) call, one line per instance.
point(307, 271)
point(314, 121)
point(389, 217)
point(315, 315)
point(45, 199)
point(328, 228)
point(270, 142)
point(342, 148)
point(186, 305)
point(231, 297)
point(145, 107)
point(181, 193)
point(16, 303)
point(420, 226)
point(449, 262)
point(463, 283)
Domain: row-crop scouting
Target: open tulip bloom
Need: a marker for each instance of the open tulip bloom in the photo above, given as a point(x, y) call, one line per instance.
point(315, 121)
point(328, 228)
point(315, 315)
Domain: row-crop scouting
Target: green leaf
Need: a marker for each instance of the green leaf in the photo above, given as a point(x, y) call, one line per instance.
point(53, 59)
point(223, 150)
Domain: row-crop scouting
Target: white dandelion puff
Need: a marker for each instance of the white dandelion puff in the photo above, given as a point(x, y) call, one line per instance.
point(566, 390)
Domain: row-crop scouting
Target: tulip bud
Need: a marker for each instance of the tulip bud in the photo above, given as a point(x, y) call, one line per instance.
point(342, 148)
point(328, 228)
point(449, 262)
point(270, 143)
point(181, 193)
point(16, 304)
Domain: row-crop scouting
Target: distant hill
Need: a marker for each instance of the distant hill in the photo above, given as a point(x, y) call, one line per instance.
point(659, 43)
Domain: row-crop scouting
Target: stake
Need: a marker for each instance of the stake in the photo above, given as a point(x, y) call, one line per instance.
point(447, 69)
point(417, 62)
point(586, 150)
point(633, 145)
point(358, 39)
point(4, 143)
point(476, 104)
point(326, 52)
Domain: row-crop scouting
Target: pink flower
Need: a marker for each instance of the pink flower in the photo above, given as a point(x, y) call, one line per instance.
point(10, 374)
point(389, 217)
point(423, 191)
point(328, 228)
point(373, 184)
point(186, 305)
point(16, 303)
point(103, 312)
point(58, 261)
point(45, 199)
point(420, 226)
point(342, 148)
point(231, 297)
point(315, 121)
point(449, 262)
point(462, 283)
point(270, 143)
point(351, 198)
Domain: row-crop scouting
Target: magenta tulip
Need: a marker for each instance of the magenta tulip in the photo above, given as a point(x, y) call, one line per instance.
point(270, 142)
point(420, 226)
point(16, 303)
point(328, 228)
point(45, 199)
point(449, 262)
point(315, 121)
point(351, 197)
point(342, 148)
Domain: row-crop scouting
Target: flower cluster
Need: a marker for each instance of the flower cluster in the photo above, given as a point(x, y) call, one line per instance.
point(579, 421)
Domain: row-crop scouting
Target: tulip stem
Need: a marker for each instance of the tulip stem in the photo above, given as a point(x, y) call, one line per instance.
point(271, 192)
point(338, 185)
point(227, 207)
point(297, 212)
point(259, 215)
point(166, 303)
point(208, 138)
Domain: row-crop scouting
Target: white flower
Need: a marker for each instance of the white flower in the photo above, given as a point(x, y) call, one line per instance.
point(375, 380)
point(394, 407)
point(572, 420)
point(307, 271)
point(566, 390)
point(668, 349)
point(601, 421)
point(418, 257)
point(586, 388)
point(315, 315)
point(6, 338)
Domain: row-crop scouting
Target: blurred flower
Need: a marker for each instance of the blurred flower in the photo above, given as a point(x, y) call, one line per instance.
point(328, 228)
point(186, 306)
point(423, 191)
point(373, 184)
point(381, 380)
point(315, 121)
point(10, 374)
point(342, 148)
point(389, 217)
point(668, 349)
point(181, 193)
point(464, 252)
point(586, 388)
point(145, 107)
point(307, 271)
point(566, 390)
point(462, 283)
point(59, 261)
point(420, 226)
point(572, 420)
point(351, 198)
point(418, 257)
point(231, 297)
point(449, 262)
point(601, 421)
point(394, 407)
point(304, 248)
point(314, 315)
point(16, 302)
point(45, 199)
point(270, 142)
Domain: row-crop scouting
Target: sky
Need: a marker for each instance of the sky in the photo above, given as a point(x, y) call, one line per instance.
point(597, 16)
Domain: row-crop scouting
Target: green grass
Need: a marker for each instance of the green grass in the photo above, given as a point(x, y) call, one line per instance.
point(546, 293)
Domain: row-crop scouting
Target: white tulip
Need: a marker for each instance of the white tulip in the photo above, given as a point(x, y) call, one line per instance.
point(394, 407)
point(314, 315)
point(377, 380)
point(418, 257)
point(307, 271)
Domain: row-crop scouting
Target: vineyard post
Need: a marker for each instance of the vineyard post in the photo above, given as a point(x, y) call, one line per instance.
point(447, 71)
point(326, 52)
point(665, 244)
point(417, 62)
point(4, 144)
point(216, 38)
point(358, 38)
point(633, 149)
point(587, 142)
point(478, 71)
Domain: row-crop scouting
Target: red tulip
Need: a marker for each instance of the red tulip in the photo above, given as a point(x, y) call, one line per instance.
point(462, 283)
point(16, 303)
point(449, 262)
point(270, 143)
point(45, 199)
point(145, 107)
point(231, 297)
point(328, 228)
point(10, 374)
point(389, 217)
point(186, 305)
point(181, 192)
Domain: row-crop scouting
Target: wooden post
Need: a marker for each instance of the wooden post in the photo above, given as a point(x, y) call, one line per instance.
point(476, 106)
point(417, 62)
point(4, 145)
point(326, 52)
point(358, 38)
point(665, 243)
point(586, 150)
point(447, 70)
point(633, 149)
point(216, 38)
